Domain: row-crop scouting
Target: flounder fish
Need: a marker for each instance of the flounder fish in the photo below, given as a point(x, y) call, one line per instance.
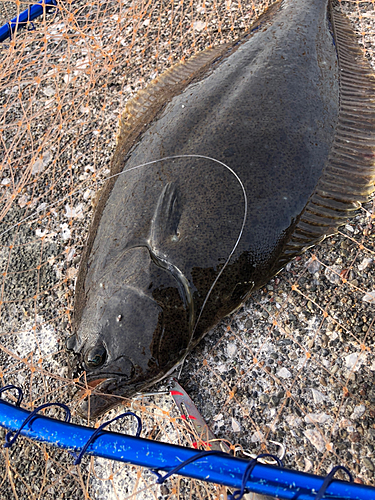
point(231, 164)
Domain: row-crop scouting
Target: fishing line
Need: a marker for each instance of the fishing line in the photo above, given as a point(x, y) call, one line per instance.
point(174, 157)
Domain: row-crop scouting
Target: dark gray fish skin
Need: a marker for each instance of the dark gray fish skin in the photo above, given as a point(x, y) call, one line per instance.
point(268, 110)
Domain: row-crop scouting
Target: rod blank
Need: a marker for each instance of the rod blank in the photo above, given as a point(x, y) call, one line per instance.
point(265, 479)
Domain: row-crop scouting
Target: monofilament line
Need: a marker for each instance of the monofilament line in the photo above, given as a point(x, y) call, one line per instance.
point(153, 162)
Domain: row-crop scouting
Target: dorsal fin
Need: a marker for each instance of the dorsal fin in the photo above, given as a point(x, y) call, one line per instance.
point(349, 174)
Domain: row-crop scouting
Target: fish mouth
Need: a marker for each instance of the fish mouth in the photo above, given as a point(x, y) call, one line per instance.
point(109, 390)
point(111, 384)
point(94, 383)
point(105, 393)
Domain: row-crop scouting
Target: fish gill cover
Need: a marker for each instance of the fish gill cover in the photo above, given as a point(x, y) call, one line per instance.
point(294, 365)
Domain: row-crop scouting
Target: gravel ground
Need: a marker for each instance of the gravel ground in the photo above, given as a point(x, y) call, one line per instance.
point(294, 365)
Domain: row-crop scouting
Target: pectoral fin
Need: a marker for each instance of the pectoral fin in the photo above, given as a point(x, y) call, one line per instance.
point(164, 224)
point(164, 235)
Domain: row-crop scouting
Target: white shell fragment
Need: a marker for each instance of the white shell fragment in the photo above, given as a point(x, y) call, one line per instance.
point(369, 297)
point(65, 232)
point(231, 350)
point(41, 163)
point(317, 396)
point(257, 436)
point(76, 212)
point(354, 361)
point(316, 439)
point(236, 427)
point(319, 418)
point(199, 25)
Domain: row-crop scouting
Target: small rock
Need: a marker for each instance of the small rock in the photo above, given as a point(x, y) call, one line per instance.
point(164, 489)
point(313, 266)
point(358, 411)
point(365, 264)
point(284, 373)
point(333, 274)
point(355, 437)
point(249, 324)
point(368, 464)
point(275, 400)
point(335, 369)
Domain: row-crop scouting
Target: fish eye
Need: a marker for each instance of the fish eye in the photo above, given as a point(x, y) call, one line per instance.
point(96, 356)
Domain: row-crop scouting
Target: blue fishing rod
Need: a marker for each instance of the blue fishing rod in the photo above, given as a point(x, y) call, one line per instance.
point(211, 466)
point(24, 19)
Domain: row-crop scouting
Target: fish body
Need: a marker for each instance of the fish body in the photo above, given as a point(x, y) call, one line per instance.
point(237, 170)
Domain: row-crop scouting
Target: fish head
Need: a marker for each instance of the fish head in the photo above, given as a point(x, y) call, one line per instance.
point(129, 336)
